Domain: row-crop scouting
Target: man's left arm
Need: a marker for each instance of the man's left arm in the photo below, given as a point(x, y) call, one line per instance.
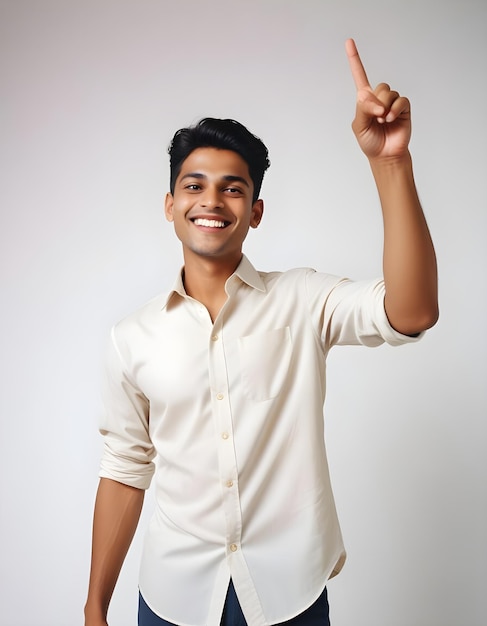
point(382, 126)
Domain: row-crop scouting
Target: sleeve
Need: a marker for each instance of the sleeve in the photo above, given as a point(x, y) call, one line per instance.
point(128, 450)
point(352, 313)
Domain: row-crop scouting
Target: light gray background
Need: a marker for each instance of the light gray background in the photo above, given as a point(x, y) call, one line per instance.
point(91, 93)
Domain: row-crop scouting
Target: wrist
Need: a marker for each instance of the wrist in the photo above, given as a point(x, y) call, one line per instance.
point(393, 174)
point(94, 614)
point(398, 163)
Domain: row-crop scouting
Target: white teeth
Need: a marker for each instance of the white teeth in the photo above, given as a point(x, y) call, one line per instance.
point(199, 221)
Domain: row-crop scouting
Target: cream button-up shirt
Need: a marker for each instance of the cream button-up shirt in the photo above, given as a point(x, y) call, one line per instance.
point(229, 416)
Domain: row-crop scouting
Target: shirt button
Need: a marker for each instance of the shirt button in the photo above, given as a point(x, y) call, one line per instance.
point(229, 483)
point(225, 435)
point(214, 338)
point(233, 547)
point(219, 396)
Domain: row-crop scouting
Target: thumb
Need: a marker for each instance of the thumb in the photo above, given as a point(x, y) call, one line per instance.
point(368, 104)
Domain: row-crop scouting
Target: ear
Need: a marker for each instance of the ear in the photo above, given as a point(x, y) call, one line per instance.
point(257, 213)
point(168, 205)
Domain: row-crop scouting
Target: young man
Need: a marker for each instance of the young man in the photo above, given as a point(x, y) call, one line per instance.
point(222, 379)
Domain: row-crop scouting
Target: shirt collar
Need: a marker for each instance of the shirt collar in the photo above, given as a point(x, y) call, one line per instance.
point(249, 275)
point(245, 271)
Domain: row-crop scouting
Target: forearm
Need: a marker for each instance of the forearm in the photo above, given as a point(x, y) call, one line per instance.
point(117, 512)
point(410, 272)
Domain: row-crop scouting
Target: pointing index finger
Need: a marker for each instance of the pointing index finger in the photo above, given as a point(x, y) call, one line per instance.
point(356, 67)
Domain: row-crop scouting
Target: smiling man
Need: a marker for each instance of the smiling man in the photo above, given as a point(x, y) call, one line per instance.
point(212, 205)
point(221, 382)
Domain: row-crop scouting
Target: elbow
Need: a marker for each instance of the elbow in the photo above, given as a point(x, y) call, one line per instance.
point(415, 322)
point(428, 319)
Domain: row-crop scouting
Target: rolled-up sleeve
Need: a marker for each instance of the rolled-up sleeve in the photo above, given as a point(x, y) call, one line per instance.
point(128, 449)
point(353, 313)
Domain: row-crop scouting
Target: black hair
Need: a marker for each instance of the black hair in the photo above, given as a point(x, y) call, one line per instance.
point(225, 135)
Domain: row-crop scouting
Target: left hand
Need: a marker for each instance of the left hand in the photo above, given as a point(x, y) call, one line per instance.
point(382, 121)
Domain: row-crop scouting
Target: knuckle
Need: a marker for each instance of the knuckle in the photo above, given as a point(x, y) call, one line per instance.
point(381, 87)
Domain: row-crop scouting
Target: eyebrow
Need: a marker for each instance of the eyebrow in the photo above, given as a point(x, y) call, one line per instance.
point(229, 178)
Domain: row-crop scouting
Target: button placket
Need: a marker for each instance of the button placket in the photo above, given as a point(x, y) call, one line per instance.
point(224, 427)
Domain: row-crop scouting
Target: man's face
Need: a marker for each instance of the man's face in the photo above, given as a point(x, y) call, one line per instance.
point(212, 206)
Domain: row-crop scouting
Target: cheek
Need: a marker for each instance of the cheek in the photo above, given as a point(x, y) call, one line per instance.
point(177, 212)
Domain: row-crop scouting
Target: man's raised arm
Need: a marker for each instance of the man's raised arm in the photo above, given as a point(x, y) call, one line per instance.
point(382, 126)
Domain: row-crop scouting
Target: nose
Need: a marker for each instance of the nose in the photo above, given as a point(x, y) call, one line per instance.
point(211, 198)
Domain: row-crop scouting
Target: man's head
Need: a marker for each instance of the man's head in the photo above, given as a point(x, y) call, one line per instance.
point(224, 135)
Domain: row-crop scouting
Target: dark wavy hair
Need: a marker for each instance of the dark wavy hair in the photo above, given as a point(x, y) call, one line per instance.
point(223, 134)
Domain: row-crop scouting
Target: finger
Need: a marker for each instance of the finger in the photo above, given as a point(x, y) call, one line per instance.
point(394, 104)
point(356, 66)
point(369, 104)
point(400, 108)
point(381, 89)
point(385, 95)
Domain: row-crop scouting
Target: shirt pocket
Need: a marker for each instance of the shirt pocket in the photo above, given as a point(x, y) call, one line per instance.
point(265, 359)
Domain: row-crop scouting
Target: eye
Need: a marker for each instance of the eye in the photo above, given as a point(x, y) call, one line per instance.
point(193, 187)
point(233, 191)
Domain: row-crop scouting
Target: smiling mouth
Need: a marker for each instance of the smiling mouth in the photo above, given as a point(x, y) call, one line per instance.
point(200, 221)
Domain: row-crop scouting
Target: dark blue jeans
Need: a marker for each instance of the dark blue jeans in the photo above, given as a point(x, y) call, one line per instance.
point(316, 615)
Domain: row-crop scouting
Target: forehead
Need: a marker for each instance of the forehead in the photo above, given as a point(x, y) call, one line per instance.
point(213, 162)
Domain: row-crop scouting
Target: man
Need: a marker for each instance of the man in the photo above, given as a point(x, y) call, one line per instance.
point(222, 381)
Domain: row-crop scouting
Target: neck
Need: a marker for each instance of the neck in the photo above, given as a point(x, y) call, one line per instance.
point(204, 280)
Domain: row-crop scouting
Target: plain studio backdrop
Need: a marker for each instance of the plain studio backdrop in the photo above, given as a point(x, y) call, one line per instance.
point(91, 94)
